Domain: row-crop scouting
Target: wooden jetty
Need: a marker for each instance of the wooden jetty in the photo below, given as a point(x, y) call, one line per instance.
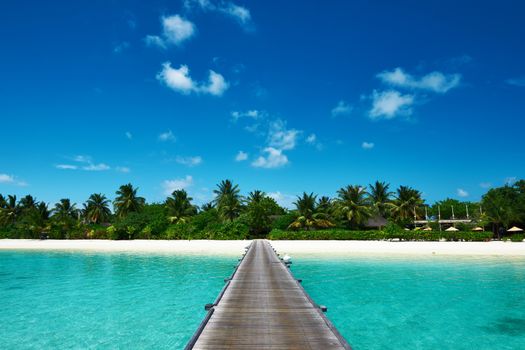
point(262, 306)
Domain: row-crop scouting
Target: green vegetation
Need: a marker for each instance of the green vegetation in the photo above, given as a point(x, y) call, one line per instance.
point(360, 213)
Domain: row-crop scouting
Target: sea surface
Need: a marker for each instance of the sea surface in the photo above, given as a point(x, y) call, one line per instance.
point(75, 300)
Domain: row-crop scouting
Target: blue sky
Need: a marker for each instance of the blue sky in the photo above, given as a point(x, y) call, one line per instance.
point(279, 96)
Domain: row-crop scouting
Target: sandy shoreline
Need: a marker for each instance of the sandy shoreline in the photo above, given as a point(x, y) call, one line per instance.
point(334, 248)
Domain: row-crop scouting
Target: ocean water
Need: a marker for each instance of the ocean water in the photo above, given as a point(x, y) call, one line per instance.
point(106, 300)
point(406, 303)
point(80, 300)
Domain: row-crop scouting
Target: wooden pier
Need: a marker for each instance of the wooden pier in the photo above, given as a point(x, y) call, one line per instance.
point(263, 307)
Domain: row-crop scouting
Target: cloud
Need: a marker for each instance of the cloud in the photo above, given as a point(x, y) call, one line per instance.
point(274, 159)
point(311, 139)
point(389, 104)
point(177, 184)
point(239, 13)
point(367, 145)
point(66, 167)
point(241, 156)
point(175, 30)
point(462, 193)
point(82, 159)
point(189, 161)
point(342, 108)
point(121, 47)
point(96, 167)
point(435, 81)
point(284, 200)
point(485, 185)
point(129, 135)
point(251, 114)
point(167, 136)
point(281, 138)
point(516, 81)
point(11, 180)
point(123, 169)
point(179, 80)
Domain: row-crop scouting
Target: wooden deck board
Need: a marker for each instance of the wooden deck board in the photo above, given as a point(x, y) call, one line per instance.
point(265, 308)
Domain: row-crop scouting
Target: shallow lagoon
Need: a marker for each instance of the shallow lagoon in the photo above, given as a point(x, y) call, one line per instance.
point(121, 300)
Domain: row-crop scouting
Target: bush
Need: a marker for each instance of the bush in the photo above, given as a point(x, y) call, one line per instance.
point(283, 221)
point(517, 237)
point(229, 230)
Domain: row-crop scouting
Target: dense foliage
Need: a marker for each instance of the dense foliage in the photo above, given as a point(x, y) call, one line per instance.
point(358, 212)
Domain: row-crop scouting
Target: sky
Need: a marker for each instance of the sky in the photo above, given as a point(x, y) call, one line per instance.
point(283, 97)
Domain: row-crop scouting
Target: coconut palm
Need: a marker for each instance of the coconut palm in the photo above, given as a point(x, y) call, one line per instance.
point(256, 196)
point(352, 205)
point(65, 211)
point(11, 211)
point(207, 206)
point(228, 200)
point(3, 202)
point(179, 207)
point(307, 215)
point(325, 205)
point(127, 201)
point(96, 209)
point(27, 202)
point(406, 202)
point(380, 198)
point(39, 216)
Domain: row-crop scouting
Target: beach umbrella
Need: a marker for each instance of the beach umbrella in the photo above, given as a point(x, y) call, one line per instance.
point(477, 228)
point(452, 229)
point(427, 229)
point(515, 229)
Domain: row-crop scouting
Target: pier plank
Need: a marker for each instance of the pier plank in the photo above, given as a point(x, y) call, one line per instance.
point(264, 307)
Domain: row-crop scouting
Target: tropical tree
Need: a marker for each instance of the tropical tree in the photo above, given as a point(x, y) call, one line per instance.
point(406, 202)
point(96, 209)
point(27, 202)
point(501, 206)
point(11, 211)
point(259, 211)
point(179, 207)
point(325, 205)
point(3, 202)
point(228, 200)
point(379, 197)
point(127, 201)
point(307, 215)
point(207, 206)
point(352, 205)
point(65, 211)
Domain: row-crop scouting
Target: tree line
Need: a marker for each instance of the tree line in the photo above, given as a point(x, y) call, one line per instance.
point(231, 216)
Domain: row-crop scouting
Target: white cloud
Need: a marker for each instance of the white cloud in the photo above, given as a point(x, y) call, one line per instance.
point(251, 114)
point(367, 145)
point(82, 159)
point(516, 81)
point(129, 135)
point(121, 47)
point(342, 108)
point(274, 159)
point(241, 156)
point(96, 167)
point(123, 169)
point(284, 200)
point(6, 179)
point(189, 161)
point(311, 139)
point(434, 81)
point(175, 30)
point(179, 80)
point(485, 185)
point(177, 184)
point(66, 167)
point(389, 104)
point(167, 136)
point(281, 138)
point(462, 193)
point(239, 13)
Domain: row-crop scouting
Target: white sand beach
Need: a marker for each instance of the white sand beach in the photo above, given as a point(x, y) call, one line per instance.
point(206, 247)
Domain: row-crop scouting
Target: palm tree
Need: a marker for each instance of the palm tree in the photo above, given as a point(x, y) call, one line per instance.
point(325, 205)
point(3, 202)
point(11, 211)
point(256, 196)
point(65, 211)
point(308, 217)
point(228, 200)
point(28, 202)
point(96, 209)
point(39, 216)
point(179, 206)
point(207, 206)
point(380, 198)
point(352, 205)
point(127, 201)
point(406, 202)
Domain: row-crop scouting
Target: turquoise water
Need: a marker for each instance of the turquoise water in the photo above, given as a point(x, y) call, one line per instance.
point(439, 303)
point(105, 301)
point(108, 300)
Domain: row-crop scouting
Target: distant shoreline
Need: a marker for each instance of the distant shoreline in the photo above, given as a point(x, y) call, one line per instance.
point(236, 247)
